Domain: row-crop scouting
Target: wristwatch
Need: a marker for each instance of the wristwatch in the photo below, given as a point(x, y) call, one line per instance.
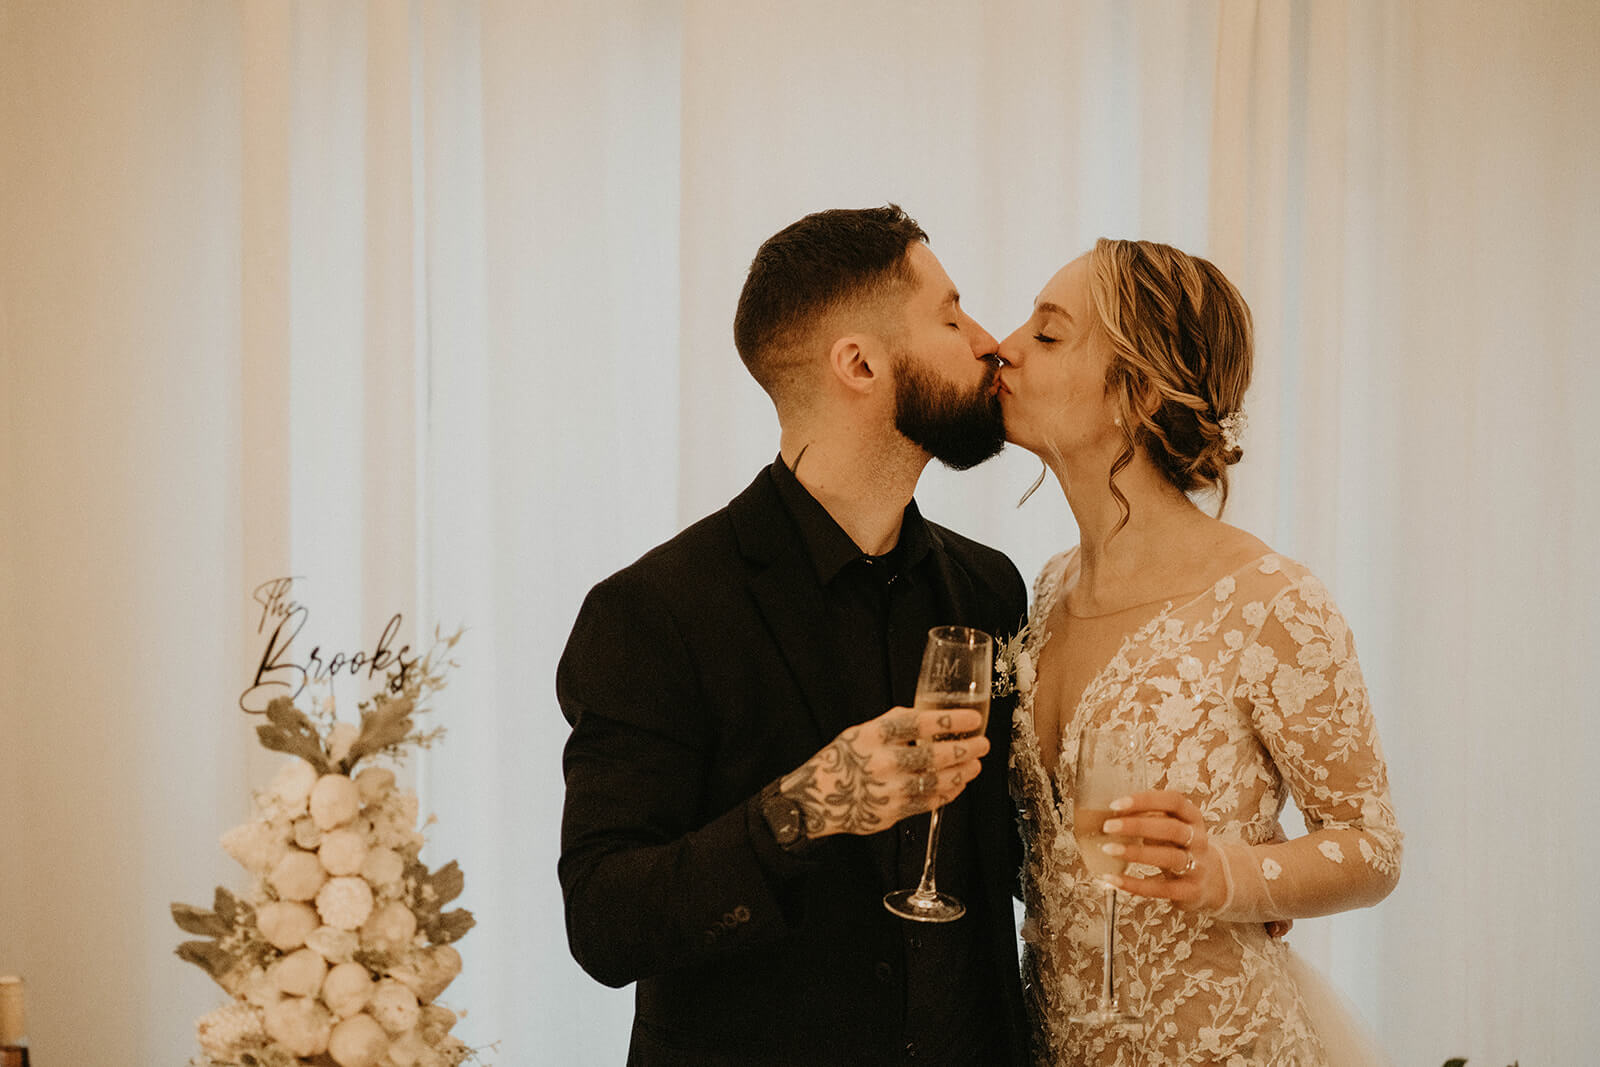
point(783, 816)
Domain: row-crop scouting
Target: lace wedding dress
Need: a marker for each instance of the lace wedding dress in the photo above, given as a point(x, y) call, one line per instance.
point(1244, 694)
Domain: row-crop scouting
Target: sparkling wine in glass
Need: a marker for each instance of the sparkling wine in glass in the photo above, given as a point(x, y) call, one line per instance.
point(1111, 764)
point(956, 665)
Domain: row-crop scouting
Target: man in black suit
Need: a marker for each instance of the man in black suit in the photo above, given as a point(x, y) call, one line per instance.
point(717, 847)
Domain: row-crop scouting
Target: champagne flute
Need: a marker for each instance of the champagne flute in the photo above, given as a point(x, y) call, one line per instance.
point(1111, 764)
point(956, 666)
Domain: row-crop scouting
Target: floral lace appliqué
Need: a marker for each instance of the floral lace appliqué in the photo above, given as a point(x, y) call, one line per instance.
point(1249, 693)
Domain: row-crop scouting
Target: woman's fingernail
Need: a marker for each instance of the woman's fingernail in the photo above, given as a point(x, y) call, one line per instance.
point(1111, 826)
point(1122, 804)
point(1111, 848)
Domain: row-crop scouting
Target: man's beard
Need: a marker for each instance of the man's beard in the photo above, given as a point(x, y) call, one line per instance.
point(958, 429)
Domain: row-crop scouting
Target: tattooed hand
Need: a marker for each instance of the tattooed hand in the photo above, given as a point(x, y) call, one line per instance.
point(875, 774)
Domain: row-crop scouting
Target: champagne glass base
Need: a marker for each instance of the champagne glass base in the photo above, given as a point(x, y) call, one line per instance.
point(1109, 1019)
point(924, 907)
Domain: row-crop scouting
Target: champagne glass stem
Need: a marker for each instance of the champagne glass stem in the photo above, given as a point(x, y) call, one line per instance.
point(926, 889)
point(1108, 994)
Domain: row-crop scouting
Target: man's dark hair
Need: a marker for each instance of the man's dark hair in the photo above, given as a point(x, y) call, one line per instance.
point(809, 268)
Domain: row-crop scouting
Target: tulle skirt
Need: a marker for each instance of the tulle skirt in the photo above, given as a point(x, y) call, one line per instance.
point(1344, 1036)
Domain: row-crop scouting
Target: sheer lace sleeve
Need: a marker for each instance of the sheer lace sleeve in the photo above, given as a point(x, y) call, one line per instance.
point(1298, 677)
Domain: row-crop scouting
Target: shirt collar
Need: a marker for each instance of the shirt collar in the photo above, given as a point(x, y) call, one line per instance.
point(829, 547)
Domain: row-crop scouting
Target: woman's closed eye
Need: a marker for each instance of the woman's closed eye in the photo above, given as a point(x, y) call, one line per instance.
point(1044, 339)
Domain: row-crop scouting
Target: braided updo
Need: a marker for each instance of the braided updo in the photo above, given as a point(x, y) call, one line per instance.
point(1180, 340)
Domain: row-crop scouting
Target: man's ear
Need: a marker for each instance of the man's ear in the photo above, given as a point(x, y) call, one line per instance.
point(850, 363)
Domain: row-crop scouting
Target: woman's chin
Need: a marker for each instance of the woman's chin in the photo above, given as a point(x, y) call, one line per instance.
point(1021, 440)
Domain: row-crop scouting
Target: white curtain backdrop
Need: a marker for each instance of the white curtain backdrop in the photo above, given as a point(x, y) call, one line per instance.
point(428, 303)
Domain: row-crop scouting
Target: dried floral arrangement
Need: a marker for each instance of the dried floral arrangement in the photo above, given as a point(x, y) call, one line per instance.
point(337, 955)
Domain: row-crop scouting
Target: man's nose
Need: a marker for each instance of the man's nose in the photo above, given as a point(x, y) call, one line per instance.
point(983, 342)
point(1006, 350)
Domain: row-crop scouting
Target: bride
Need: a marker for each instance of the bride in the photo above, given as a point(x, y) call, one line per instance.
point(1231, 662)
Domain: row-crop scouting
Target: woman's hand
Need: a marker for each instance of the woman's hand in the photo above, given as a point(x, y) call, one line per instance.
point(1164, 829)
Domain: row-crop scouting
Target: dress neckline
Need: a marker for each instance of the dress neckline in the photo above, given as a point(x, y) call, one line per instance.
point(1073, 716)
point(1169, 604)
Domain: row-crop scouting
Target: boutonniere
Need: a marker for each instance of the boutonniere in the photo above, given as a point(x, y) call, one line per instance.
point(1013, 664)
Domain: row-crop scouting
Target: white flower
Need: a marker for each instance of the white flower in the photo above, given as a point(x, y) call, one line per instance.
point(394, 1006)
point(258, 988)
point(1271, 565)
point(390, 927)
point(334, 801)
point(1314, 656)
point(297, 876)
point(286, 924)
point(307, 834)
point(255, 845)
point(1256, 662)
point(1368, 853)
point(411, 1049)
point(347, 989)
point(1254, 613)
point(1332, 850)
point(1233, 639)
point(374, 783)
point(229, 1030)
point(383, 869)
point(345, 902)
point(1189, 668)
point(358, 1042)
point(1025, 672)
point(1294, 688)
point(1225, 588)
point(301, 1025)
point(342, 851)
point(340, 738)
point(1270, 869)
point(1178, 714)
point(394, 822)
point(300, 973)
point(331, 943)
point(291, 786)
point(1183, 774)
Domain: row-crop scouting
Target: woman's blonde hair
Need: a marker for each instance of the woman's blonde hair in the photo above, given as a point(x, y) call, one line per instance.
point(1181, 350)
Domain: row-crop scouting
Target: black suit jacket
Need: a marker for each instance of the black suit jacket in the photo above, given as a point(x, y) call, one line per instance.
point(693, 678)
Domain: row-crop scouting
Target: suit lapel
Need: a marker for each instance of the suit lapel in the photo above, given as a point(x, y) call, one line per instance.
point(789, 599)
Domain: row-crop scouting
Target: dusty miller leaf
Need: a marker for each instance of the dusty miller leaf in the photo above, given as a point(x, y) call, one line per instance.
point(193, 920)
point(451, 926)
point(383, 726)
point(231, 909)
point(288, 730)
point(206, 955)
point(447, 882)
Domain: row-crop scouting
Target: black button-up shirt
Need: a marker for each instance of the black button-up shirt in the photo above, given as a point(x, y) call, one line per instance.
point(879, 610)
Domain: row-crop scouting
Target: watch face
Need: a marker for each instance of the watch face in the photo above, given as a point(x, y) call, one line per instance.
point(783, 816)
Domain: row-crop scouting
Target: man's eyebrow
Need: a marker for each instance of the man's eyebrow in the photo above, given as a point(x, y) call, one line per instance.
point(1047, 308)
point(952, 297)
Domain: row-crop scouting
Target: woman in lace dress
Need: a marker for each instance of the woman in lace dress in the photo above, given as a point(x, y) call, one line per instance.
point(1231, 661)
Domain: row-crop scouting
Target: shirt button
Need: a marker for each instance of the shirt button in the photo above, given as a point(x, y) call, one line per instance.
point(884, 972)
point(914, 943)
point(911, 1050)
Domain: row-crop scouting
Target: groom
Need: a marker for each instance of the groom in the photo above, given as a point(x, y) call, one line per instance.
point(743, 763)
